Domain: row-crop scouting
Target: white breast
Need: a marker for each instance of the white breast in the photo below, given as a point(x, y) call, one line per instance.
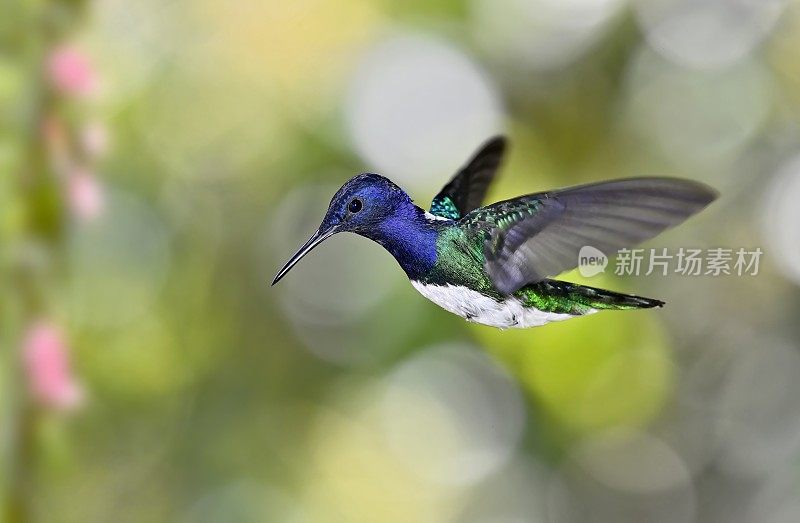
point(474, 306)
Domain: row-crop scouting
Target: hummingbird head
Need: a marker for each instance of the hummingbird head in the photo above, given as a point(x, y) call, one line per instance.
point(363, 205)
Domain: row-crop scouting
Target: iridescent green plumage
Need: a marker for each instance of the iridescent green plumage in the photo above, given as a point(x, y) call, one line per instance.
point(461, 262)
point(446, 208)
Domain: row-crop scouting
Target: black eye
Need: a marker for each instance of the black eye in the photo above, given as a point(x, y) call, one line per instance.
point(355, 205)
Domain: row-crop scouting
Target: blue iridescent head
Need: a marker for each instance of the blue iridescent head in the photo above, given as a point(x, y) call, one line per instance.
point(372, 206)
point(363, 203)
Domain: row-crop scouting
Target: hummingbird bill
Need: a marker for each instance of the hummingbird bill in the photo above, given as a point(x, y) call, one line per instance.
point(494, 264)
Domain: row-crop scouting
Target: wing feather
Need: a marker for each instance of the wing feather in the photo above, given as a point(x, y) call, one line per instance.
point(540, 235)
point(467, 189)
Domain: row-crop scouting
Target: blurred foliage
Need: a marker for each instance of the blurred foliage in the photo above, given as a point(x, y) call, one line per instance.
point(210, 396)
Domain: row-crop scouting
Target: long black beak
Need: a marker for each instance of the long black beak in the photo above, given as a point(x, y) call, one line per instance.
point(317, 238)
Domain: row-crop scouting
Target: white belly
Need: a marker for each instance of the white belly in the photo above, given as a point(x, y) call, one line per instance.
point(474, 306)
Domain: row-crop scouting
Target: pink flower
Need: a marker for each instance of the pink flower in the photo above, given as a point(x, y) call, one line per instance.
point(86, 195)
point(71, 73)
point(47, 367)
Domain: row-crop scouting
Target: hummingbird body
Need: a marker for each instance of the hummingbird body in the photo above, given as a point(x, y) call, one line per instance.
point(491, 264)
point(459, 283)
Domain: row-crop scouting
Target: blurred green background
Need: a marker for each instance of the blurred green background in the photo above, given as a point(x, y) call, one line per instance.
point(160, 159)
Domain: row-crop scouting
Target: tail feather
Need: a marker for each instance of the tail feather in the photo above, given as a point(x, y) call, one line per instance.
point(604, 299)
point(571, 298)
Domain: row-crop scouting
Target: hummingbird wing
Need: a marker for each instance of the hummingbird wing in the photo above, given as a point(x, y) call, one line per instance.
point(466, 190)
point(530, 238)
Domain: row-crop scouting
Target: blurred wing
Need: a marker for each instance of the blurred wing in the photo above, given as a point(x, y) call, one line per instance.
point(540, 235)
point(467, 188)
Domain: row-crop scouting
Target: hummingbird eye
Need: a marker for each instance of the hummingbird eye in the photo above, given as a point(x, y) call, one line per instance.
point(355, 205)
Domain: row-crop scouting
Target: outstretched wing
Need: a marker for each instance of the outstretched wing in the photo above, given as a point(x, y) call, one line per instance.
point(530, 238)
point(466, 190)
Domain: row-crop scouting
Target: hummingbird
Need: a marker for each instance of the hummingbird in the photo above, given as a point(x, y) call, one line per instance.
point(493, 265)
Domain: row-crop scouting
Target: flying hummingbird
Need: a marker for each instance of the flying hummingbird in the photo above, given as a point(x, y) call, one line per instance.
point(491, 265)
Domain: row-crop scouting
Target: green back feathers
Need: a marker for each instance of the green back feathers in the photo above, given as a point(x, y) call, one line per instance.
point(503, 215)
point(445, 207)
